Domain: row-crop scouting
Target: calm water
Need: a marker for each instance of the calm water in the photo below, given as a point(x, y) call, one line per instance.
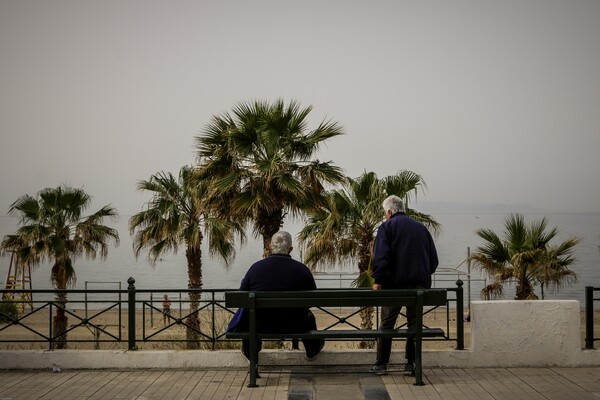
point(457, 236)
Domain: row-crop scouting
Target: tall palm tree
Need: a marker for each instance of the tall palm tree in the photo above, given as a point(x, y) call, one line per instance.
point(524, 254)
point(53, 227)
point(344, 230)
point(180, 213)
point(260, 158)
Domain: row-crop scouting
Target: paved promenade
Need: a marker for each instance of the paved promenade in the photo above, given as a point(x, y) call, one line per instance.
point(304, 383)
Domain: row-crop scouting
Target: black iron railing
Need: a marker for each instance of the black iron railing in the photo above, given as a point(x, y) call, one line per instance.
point(589, 316)
point(114, 316)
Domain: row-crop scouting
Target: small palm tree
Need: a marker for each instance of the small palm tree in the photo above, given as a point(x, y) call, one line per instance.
point(260, 159)
point(52, 226)
point(177, 214)
point(344, 230)
point(524, 254)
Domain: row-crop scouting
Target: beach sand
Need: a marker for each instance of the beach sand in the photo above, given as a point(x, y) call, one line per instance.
point(111, 324)
point(105, 326)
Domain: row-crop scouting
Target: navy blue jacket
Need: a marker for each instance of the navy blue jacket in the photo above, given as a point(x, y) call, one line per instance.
point(404, 255)
point(279, 272)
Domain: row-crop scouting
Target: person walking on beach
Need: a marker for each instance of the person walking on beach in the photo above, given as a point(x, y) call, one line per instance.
point(166, 306)
point(404, 257)
point(280, 272)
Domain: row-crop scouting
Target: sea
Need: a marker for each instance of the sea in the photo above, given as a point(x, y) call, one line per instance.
point(457, 238)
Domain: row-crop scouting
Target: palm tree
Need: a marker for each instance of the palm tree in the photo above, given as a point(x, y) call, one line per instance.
point(344, 230)
point(178, 213)
point(52, 226)
point(260, 159)
point(524, 253)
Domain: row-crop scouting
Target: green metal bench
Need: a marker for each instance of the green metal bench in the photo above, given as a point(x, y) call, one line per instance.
point(337, 298)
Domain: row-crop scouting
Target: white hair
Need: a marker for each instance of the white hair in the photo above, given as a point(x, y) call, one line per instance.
point(281, 242)
point(394, 204)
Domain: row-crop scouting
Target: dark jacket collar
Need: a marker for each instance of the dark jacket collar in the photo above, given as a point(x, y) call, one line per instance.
point(397, 214)
point(280, 255)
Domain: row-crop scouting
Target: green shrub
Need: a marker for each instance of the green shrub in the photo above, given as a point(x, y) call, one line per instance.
point(8, 310)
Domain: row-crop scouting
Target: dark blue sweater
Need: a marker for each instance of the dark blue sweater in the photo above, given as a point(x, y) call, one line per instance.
point(279, 272)
point(404, 254)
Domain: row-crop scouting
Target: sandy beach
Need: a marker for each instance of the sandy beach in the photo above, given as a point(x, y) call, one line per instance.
point(105, 327)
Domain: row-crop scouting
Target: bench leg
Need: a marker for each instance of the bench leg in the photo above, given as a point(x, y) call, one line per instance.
point(253, 363)
point(418, 362)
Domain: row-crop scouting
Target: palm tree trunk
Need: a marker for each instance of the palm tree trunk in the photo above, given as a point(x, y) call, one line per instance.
point(60, 321)
point(524, 290)
point(543, 295)
point(366, 315)
point(269, 223)
point(194, 260)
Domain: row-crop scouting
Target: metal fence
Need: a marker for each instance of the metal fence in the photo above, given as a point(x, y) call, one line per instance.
point(589, 316)
point(134, 318)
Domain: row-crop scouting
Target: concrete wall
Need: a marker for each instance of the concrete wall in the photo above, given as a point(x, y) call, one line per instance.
point(503, 334)
point(526, 332)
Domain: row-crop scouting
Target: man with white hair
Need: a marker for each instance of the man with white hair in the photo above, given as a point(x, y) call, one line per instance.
point(404, 257)
point(280, 272)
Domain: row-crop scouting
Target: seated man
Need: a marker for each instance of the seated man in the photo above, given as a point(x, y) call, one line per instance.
point(280, 272)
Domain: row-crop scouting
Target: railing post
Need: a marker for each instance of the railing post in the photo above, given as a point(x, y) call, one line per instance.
point(51, 335)
point(589, 317)
point(131, 313)
point(460, 322)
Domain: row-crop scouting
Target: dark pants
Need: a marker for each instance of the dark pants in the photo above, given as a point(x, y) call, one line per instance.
point(311, 346)
point(389, 315)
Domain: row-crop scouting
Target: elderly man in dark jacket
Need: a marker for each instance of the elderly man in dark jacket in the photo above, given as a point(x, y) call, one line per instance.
point(404, 258)
point(280, 271)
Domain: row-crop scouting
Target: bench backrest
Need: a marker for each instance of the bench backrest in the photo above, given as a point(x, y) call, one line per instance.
point(336, 298)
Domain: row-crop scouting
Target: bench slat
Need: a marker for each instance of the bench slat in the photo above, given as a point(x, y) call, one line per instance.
point(341, 334)
point(336, 298)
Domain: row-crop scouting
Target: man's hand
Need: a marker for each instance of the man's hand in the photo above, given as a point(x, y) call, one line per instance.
point(376, 286)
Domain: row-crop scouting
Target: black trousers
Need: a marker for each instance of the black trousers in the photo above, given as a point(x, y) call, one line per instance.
point(389, 316)
point(311, 346)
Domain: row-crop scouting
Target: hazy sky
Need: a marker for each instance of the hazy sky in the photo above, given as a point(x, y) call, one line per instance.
point(490, 101)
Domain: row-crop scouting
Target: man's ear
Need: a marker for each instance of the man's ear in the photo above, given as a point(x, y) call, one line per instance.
point(290, 250)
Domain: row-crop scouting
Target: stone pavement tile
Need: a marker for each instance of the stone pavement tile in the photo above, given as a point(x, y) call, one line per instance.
point(65, 386)
point(271, 382)
point(301, 386)
point(114, 385)
point(238, 380)
point(161, 387)
point(184, 384)
point(501, 383)
point(556, 384)
point(586, 378)
point(456, 384)
point(100, 383)
point(337, 392)
point(373, 387)
point(78, 384)
point(272, 385)
point(402, 387)
point(196, 387)
point(211, 382)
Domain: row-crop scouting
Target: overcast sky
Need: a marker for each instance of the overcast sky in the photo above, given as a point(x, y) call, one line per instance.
point(490, 101)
